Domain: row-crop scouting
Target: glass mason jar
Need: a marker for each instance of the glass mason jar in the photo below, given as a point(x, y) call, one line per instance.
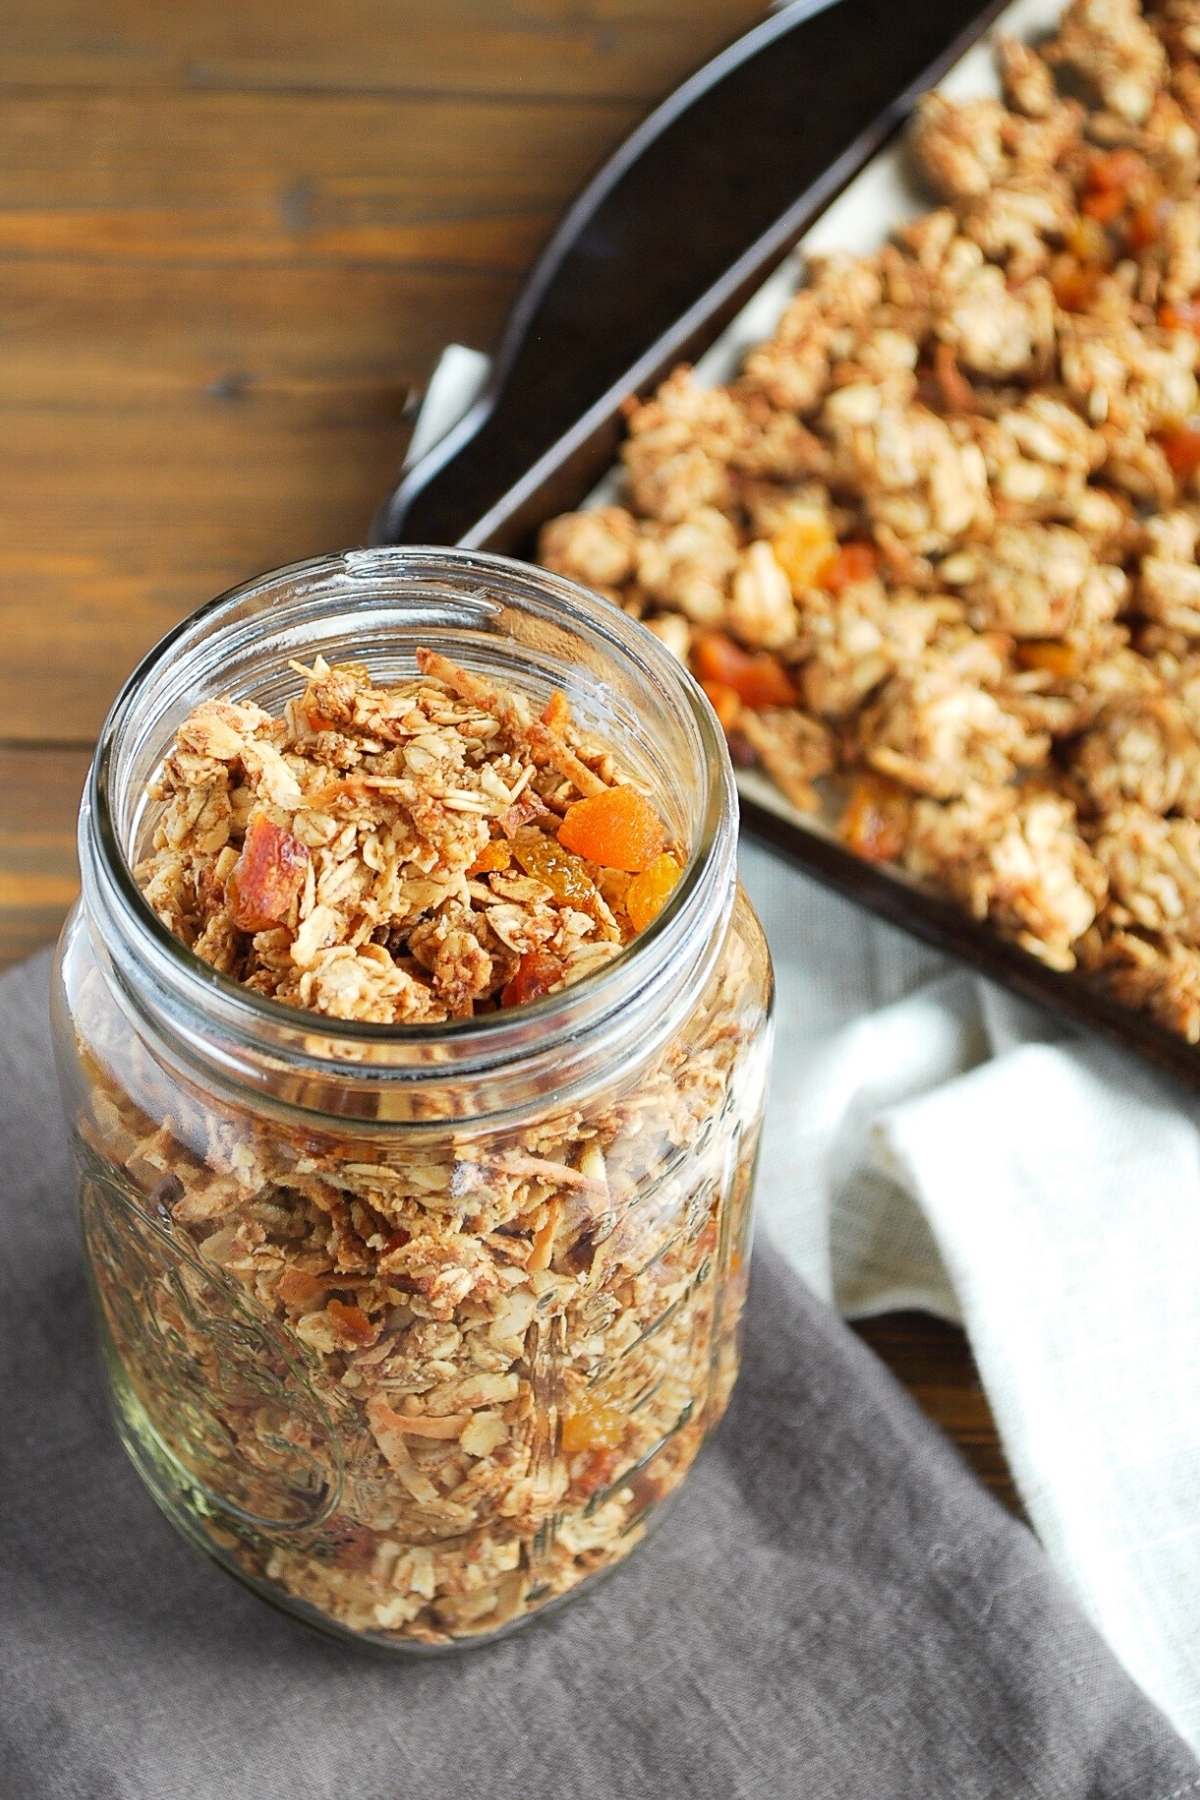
point(581, 1166)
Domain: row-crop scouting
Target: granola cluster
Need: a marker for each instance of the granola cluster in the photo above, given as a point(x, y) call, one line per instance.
point(933, 552)
point(406, 854)
point(417, 1377)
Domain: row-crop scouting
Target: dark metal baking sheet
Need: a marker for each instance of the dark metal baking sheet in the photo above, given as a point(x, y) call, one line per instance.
point(690, 217)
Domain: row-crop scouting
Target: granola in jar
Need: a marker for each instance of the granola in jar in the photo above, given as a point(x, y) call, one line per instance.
point(932, 551)
point(414, 1034)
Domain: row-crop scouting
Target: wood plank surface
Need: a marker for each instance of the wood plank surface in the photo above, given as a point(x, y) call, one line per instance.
point(165, 432)
point(932, 1360)
point(233, 239)
point(41, 785)
point(294, 178)
point(622, 49)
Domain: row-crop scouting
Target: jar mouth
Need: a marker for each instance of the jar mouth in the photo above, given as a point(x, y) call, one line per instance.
point(443, 594)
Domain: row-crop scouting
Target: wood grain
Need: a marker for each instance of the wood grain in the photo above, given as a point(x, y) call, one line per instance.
point(165, 432)
point(284, 178)
point(933, 1361)
point(41, 786)
point(232, 241)
point(622, 49)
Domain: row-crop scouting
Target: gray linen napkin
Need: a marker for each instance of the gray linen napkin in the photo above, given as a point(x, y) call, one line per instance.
point(834, 1608)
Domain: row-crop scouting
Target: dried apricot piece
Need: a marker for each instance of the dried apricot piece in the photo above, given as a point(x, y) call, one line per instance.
point(536, 973)
point(1180, 315)
point(557, 712)
point(265, 882)
point(350, 1323)
point(1112, 170)
point(1104, 204)
point(1074, 283)
point(1049, 654)
point(848, 564)
point(801, 545)
point(592, 1425)
point(724, 702)
point(494, 858)
point(299, 1288)
point(648, 892)
point(1181, 447)
point(875, 822)
point(759, 680)
point(1145, 227)
point(619, 829)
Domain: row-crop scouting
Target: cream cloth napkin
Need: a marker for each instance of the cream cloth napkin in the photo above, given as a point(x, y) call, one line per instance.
point(933, 1143)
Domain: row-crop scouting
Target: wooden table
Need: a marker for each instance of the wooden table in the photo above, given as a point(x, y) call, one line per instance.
point(232, 241)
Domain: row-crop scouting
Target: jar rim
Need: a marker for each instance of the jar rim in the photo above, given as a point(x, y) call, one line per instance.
point(247, 1013)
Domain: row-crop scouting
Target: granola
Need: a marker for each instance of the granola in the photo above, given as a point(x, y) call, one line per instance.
point(932, 552)
point(418, 1381)
point(409, 854)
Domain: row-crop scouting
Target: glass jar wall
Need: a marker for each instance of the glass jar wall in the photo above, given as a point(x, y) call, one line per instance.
point(414, 1329)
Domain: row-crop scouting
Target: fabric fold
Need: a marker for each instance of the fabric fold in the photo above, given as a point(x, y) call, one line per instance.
point(933, 1142)
point(1063, 1193)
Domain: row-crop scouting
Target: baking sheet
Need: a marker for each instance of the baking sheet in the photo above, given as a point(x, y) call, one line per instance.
point(860, 221)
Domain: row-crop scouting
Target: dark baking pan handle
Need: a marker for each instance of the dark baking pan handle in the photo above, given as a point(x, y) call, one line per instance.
point(673, 233)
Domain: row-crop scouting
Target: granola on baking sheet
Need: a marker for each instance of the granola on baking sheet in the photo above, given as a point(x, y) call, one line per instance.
point(435, 1377)
point(932, 553)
